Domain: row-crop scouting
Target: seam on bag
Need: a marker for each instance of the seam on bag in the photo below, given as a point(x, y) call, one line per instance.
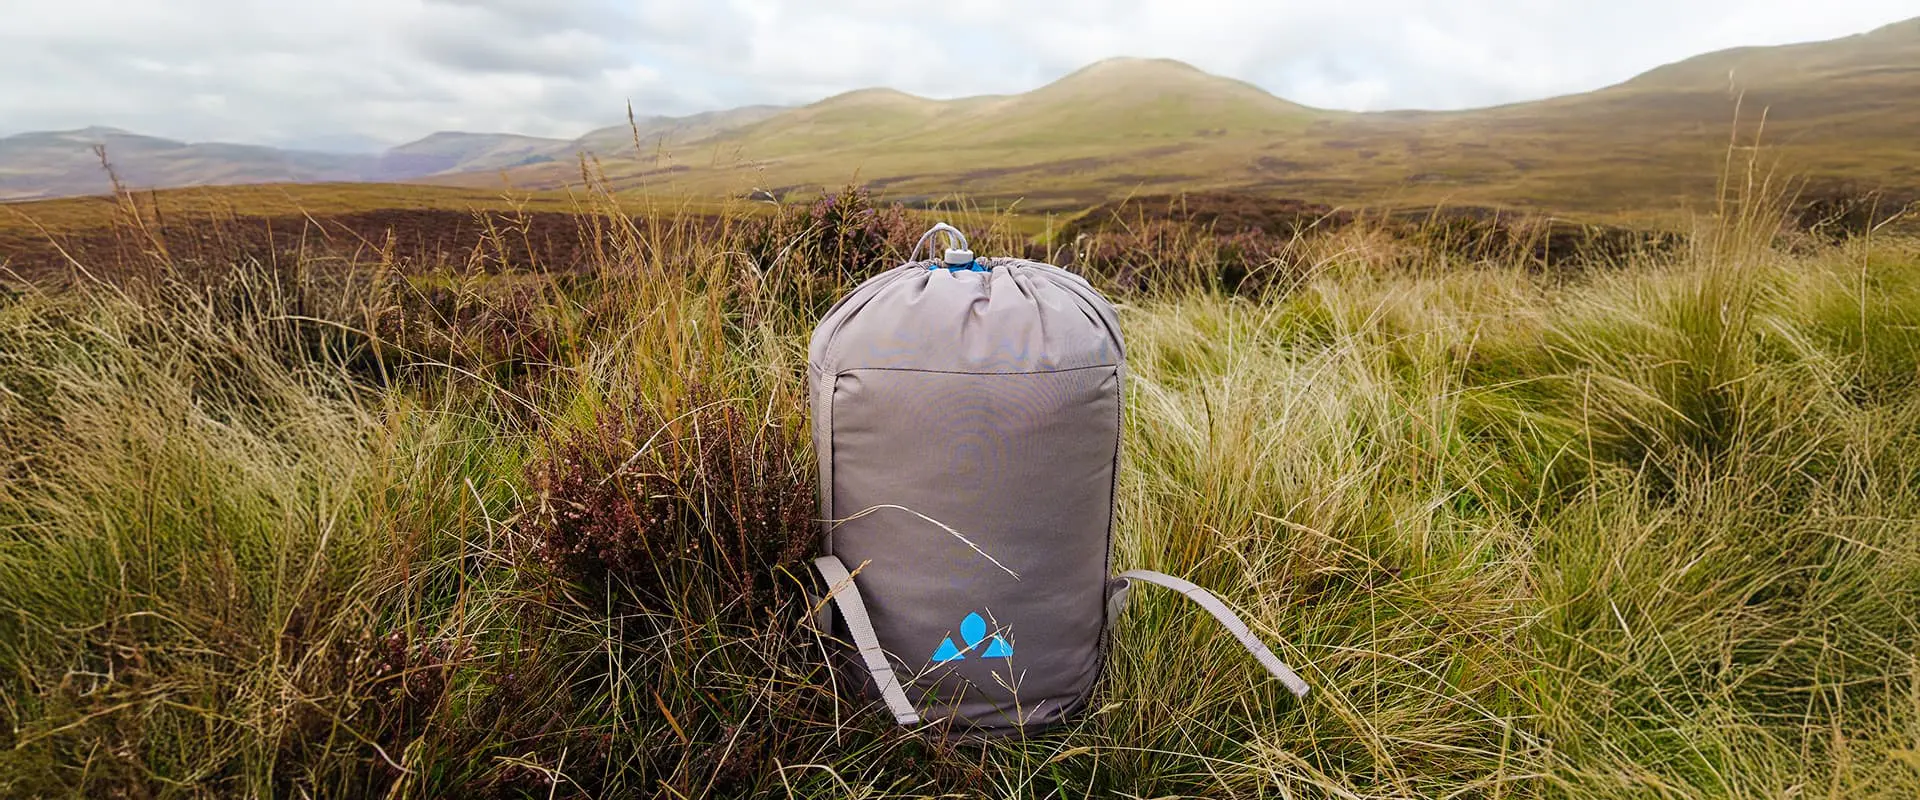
point(968, 372)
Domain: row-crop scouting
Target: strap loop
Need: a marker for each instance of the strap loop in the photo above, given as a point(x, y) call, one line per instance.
point(843, 592)
point(1229, 620)
point(955, 238)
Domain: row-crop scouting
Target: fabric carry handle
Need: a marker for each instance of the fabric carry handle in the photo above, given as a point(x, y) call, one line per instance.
point(845, 594)
point(1227, 618)
point(956, 254)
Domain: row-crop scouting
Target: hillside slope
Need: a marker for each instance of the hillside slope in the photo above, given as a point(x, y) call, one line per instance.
point(1839, 113)
point(1100, 127)
point(457, 151)
point(1835, 112)
point(652, 133)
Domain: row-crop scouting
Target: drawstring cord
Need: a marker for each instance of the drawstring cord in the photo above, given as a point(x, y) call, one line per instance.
point(954, 237)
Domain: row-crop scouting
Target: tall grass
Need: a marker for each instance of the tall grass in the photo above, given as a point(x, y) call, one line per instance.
point(1640, 532)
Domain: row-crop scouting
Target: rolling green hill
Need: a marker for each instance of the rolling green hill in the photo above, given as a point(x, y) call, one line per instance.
point(1840, 114)
point(1834, 112)
point(1108, 120)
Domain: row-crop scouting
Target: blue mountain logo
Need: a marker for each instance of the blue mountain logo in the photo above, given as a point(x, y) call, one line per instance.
point(973, 629)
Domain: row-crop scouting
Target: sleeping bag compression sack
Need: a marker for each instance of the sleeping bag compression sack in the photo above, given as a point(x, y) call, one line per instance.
point(966, 417)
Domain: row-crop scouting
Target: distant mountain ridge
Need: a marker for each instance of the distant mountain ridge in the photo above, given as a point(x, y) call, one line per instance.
point(1840, 111)
point(57, 163)
point(452, 152)
point(458, 151)
point(43, 164)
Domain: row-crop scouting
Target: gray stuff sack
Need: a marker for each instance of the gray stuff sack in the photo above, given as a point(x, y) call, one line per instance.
point(966, 417)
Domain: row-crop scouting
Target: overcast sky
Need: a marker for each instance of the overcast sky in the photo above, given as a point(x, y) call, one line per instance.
point(339, 73)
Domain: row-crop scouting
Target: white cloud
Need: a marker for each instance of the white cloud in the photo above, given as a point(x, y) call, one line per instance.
point(347, 70)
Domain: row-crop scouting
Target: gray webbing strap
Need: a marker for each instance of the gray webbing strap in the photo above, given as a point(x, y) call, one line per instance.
point(1229, 620)
point(843, 592)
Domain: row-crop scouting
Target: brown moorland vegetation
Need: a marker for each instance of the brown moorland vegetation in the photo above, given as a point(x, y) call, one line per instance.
point(342, 527)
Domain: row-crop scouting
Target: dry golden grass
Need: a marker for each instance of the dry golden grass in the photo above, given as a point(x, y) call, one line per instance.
point(1639, 532)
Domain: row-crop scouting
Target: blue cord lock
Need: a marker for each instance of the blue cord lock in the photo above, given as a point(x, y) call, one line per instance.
point(971, 266)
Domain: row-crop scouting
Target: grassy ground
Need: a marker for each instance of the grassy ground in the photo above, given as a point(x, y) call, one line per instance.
point(1647, 531)
point(29, 224)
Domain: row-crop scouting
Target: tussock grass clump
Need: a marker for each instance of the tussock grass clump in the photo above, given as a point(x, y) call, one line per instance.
point(1643, 531)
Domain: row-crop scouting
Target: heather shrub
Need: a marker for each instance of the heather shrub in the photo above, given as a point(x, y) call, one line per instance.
point(365, 694)
point(1256, 247)
point(803, 256)
point(505, 329)
point(712, 505)
point(1834, 210)
point(1168, 258)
